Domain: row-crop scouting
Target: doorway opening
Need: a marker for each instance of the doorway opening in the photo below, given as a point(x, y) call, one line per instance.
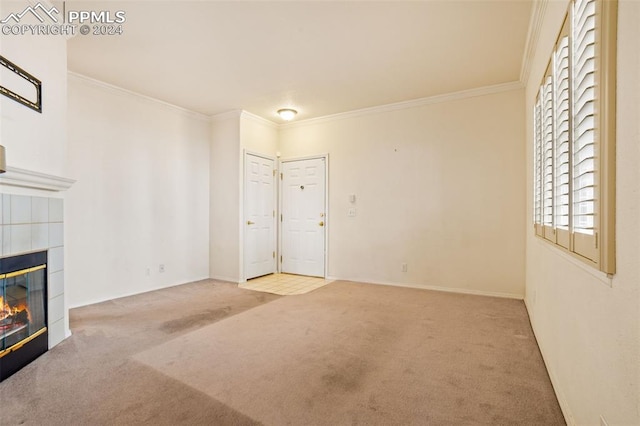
point(285, 225)
point(259, 215)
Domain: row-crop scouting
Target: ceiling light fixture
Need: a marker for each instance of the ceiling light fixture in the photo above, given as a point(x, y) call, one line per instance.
point(287, 114)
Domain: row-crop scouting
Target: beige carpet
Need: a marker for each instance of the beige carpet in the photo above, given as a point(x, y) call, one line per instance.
point(347, 353)
point(90, 378)
point(352, 353)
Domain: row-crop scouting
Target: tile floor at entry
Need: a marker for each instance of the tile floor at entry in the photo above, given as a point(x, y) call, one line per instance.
point(285, 284)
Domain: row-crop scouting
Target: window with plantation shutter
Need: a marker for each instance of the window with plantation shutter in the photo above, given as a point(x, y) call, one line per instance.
point(562, 134)
point(574, 137)
point(584, 125)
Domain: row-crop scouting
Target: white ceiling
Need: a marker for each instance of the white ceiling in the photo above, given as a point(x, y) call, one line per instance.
point(321, 57)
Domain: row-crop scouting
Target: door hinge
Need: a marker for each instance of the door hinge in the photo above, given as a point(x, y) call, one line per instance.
point(280, 259)
point(280, 217)
point(274, 172)
point(274, 254)
point(274, 213)
point(281, 176)
point(596, 240)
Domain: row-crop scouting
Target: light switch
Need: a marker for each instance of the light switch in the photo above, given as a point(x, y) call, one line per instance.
point(352, 212)
point(352, 198)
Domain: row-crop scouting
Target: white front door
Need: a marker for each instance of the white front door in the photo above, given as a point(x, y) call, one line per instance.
point(303, 217)
point(259, 218)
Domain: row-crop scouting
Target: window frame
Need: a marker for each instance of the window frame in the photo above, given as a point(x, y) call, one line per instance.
point(597, 248)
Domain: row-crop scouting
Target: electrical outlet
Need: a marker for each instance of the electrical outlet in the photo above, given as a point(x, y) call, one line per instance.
point(404, 267)
point(161, 268)
point(351, 212)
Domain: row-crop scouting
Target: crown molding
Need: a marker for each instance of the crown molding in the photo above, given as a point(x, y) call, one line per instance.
point(538, 9)
point(117, 89)
point(240, 113)
point(256, 118)
point(415, 103)
point(23, 178)
point(236, 113)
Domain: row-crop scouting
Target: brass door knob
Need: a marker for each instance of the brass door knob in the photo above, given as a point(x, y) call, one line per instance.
point(250, 223)
point(321, 223)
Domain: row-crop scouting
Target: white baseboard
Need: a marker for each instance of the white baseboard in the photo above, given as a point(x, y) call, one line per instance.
point(225, 279)
point(134, 293)
point(433, 287)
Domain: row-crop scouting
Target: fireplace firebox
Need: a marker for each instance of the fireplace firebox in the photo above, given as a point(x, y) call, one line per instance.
point(23, 310)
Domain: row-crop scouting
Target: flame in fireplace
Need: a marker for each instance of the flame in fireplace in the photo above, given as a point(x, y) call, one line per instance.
point(10, 315)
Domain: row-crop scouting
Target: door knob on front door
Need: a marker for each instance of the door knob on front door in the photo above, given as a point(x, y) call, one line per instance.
point(250, 223)
point(321, 223)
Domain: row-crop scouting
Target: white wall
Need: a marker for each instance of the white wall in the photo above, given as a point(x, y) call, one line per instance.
point(225, 190)
point(439, 187)
point(587, 325)
point(233, 133)
point(141, 197)
point(37, 142)
point(258, 135)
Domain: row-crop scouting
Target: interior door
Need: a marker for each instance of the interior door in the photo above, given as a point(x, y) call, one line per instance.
point(303, 217)
point(259, 223)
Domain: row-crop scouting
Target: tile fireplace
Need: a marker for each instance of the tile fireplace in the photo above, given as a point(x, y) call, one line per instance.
point(31, 226)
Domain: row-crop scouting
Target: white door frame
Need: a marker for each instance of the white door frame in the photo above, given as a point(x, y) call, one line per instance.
point(276, 205)
point(327, 220)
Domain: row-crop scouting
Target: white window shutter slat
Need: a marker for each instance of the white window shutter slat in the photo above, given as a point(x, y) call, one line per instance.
point(561, 122)
point(537, 173)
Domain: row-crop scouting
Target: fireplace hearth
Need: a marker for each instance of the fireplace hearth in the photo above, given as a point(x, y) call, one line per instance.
point(23, 310)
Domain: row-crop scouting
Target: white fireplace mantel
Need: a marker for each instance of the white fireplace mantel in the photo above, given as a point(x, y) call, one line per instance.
point(23, 178)
point(32, 218)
